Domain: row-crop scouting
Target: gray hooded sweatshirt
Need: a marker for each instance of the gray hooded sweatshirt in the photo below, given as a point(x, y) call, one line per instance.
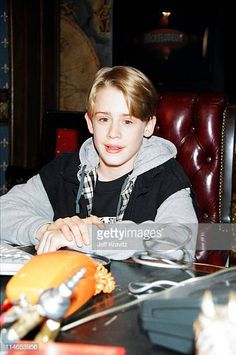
point(26, 207)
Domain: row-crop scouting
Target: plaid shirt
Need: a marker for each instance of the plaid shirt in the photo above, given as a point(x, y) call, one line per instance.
point(88, 182)
point(124, 199)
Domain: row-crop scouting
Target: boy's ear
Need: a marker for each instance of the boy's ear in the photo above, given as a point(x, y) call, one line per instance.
point(89, 123)
point(150, 126)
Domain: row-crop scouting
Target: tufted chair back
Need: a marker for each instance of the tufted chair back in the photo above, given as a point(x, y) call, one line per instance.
point(202, 126)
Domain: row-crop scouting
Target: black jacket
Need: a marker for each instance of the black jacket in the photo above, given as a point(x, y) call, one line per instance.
point(151, 188)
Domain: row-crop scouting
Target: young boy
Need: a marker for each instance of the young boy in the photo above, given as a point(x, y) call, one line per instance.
point(123, 173)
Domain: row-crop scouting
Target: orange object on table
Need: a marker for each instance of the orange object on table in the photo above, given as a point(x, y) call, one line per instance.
point(51, 269)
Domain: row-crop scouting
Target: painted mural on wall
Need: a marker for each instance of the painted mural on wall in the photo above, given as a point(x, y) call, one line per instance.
point(85, 46)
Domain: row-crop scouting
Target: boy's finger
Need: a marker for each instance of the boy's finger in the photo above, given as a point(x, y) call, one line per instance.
point(95, 220)
point(67, 232)
point(84, 232)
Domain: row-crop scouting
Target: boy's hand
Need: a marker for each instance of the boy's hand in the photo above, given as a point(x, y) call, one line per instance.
point(52, 241)
point(75, 228)
point(69, 231)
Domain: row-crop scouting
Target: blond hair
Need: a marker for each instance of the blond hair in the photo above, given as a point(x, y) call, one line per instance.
point(138, 91)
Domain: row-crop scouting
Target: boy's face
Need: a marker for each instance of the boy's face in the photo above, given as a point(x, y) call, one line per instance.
point(117, 135)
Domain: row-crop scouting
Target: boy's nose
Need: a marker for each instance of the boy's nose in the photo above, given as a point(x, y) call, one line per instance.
point(114, 130)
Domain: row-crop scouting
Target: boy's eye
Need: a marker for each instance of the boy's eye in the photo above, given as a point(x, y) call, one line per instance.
point(128, 122)
point(103, 119)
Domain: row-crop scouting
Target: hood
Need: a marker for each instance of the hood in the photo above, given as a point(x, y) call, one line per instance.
point(88, 155)
point(154, 151)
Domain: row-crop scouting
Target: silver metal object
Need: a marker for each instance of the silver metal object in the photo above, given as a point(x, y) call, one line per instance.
point(54, 302)
point(167, 251)
point(137, 288)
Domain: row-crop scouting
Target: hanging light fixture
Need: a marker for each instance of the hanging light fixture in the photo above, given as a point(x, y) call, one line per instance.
point(165, 39)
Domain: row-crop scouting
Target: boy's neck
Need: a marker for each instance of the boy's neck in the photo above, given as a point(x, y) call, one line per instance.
point(111, 173)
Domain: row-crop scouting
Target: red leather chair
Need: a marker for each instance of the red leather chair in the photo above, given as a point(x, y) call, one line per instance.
point(202, 126)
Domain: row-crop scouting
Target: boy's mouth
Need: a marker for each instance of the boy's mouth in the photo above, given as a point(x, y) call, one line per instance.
point(113, 148)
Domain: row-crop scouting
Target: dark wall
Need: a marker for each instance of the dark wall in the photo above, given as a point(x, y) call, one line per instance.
point(186, 68)
point(34, 29)
point(34, 75)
